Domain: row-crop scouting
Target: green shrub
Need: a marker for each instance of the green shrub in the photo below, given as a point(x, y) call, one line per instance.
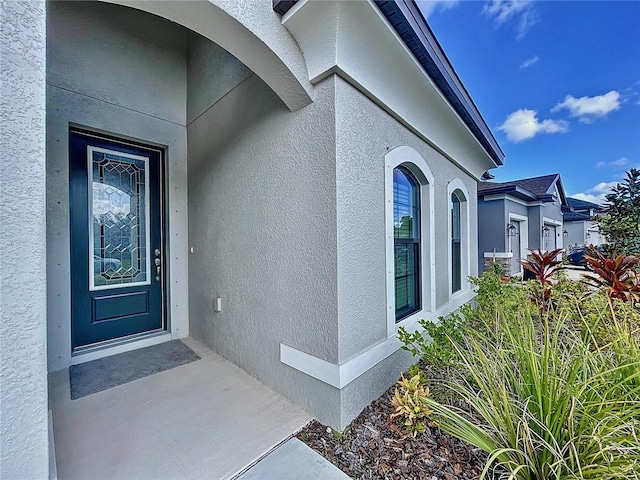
point(551, 393)
point(414, 370)
point(436, 346)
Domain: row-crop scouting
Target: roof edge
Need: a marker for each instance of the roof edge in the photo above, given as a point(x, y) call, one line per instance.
point(407, 20)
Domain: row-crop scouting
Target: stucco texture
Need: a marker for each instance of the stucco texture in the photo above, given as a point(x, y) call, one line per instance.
point(23, 367)
point(263, 231)
point(364, 135)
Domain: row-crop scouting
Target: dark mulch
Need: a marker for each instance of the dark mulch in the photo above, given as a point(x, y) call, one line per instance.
point(375, 447)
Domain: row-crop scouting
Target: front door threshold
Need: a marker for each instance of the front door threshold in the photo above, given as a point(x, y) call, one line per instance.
point(120, 345)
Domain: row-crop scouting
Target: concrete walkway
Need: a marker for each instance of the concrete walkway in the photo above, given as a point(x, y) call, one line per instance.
point(205, 420)
point(575, 273)
point(293, 460)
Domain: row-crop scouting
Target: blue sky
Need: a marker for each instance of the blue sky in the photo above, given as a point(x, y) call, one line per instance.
point(558, 83)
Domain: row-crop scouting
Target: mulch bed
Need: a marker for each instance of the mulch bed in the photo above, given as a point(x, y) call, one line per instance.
point(375, 447)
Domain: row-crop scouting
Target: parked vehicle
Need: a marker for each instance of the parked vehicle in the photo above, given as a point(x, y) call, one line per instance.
point(577, 255)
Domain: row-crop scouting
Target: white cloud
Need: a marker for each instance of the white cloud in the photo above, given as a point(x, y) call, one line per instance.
point(589, 108)
point(530, 61)
point(621, 162)
point(523, 124)
point(520, 11)
point(597, 193)
point(427, 7)
point(599, 199)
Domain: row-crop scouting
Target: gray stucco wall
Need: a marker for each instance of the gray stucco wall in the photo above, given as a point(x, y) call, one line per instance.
point(576, 233)
point(493, 216)
point(262, 227)
point(364, 135)
point(553, 211)
point(212, 72)
point(120, 71)
point(492, 224)
point(24, 445)
point(535, 227)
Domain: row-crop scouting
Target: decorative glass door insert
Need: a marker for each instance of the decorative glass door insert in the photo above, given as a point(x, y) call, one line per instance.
point(117, 250)
point(118, 219)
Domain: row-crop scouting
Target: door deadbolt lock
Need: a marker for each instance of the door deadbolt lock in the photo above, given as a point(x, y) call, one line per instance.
point(157, 262)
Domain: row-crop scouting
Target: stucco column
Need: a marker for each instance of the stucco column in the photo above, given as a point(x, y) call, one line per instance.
point(24, 446)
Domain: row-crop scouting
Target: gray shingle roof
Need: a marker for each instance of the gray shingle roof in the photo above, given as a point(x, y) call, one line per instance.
point(575, 216)
point(581, 204)
point(538, 187)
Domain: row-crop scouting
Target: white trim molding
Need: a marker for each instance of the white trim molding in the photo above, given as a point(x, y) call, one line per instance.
point(340, 375)
point(505, 196)
point(458, 187)
point(498, 255)
point(524, 236)
point(413, 161)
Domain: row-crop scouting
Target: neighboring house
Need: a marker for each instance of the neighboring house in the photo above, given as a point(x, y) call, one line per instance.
point(578, 222)
point(313, 167)
point(516, 216)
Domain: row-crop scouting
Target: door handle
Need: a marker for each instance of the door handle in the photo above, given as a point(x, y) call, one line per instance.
point(157, 262)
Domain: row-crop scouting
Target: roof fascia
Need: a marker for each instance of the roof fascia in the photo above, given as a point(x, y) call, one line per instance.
point(510, 197)
point(560, 187)
point(512, 190)
point(409, 23)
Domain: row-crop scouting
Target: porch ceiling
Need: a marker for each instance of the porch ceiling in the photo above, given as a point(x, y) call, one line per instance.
point(207, 419)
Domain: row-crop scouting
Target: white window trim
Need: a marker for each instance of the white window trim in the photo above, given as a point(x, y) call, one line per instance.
point(465, 242)
point(413, 161)
point(524, 236)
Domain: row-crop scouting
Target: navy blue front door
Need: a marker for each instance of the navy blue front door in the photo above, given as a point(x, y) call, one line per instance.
point(117, 255)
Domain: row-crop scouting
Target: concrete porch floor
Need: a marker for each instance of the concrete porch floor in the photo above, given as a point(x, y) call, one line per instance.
point(205, 420)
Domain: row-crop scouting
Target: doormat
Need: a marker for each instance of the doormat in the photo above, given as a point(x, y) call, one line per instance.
point(104, 373)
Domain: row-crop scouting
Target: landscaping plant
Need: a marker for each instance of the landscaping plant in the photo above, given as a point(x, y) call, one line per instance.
point(543, 265)
point(547, 393)
point(616, 276)
point(435, 348)
point(409, 404)
point(621, 222)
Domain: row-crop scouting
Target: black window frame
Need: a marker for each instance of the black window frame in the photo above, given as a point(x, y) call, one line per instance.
point(413, 242)
point(456, 243)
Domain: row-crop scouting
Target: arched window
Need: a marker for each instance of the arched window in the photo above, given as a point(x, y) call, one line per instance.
point(406, 239)
point(456, 244)
point(459, 238)
point(410, 240)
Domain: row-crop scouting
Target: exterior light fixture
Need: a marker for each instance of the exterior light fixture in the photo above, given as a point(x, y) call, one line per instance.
point(588, 235)
point(511, 229)
point(545, 231)
point(565, 234)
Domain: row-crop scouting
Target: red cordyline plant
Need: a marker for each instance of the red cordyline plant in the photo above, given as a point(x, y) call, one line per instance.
point(543, 265)
point(617, 275)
